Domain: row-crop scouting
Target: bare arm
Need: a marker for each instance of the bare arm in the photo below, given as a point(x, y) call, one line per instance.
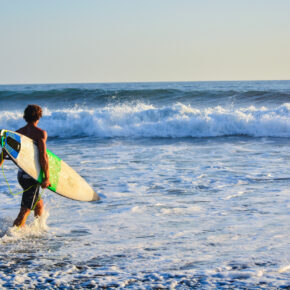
point(43, 159)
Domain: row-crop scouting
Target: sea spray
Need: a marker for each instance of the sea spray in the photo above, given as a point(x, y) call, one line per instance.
point(37, 228)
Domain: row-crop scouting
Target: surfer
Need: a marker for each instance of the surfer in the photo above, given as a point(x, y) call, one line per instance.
point(31, 199)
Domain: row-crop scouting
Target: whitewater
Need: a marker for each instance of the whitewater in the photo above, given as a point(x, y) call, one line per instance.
point(194, 185)
point(178, 120)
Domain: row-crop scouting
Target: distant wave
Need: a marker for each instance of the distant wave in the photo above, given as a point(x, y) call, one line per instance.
point(173, 121)
point(83, 97)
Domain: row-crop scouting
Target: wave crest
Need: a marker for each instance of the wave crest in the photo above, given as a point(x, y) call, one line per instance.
point(177, 121)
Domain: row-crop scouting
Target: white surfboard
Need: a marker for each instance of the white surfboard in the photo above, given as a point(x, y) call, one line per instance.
point(64, 180)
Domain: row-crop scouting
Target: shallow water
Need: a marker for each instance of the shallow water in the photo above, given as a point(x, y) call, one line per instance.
point(188, 212)
point(180, 212)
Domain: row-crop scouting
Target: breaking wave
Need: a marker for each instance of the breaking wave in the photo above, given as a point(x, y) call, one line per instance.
point(174, 121)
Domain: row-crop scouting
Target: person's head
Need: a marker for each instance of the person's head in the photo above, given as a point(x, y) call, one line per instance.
point(32, 113)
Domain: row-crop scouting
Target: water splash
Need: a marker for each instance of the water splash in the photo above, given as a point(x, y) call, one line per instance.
point(37, 228)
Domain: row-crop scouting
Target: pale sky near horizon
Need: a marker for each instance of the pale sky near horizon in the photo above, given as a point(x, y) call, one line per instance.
point(68, 41)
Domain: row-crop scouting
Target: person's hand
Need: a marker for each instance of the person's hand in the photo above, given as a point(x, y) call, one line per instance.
point(45, 183)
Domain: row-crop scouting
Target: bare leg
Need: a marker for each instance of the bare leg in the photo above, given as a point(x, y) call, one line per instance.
point(22, 216)
point(38, 210)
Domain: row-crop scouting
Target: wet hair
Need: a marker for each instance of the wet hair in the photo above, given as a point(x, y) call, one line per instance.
point(32, 113)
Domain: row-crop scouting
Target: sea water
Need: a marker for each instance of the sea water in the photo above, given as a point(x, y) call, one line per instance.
point(194, 184)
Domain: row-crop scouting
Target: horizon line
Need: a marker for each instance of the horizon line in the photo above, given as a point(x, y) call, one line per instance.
point(140, 82)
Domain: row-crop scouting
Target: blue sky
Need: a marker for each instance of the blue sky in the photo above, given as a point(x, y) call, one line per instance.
point(67, 41)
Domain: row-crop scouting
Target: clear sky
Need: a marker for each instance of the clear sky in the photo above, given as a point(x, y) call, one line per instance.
point(67, 41)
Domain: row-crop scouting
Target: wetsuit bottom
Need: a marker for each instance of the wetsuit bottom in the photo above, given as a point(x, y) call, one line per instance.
point(31, 188)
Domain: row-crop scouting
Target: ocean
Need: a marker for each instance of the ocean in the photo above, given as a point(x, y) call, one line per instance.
point(194, 179)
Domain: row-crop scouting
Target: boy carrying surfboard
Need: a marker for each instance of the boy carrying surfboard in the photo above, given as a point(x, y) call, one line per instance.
point(31, 199)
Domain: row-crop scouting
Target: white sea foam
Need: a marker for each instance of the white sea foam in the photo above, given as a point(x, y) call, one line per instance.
point(179, 120)
point(284, 269)
point(240, 193)
point(34, 229)
point(181, 211)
